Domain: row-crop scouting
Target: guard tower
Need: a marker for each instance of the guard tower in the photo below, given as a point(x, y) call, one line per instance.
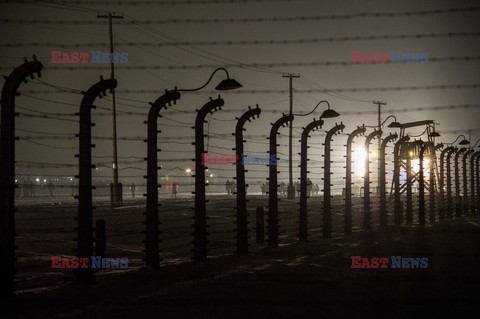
point(408, 157)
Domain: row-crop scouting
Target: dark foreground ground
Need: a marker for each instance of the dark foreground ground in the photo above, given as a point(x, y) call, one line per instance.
point(311, 280)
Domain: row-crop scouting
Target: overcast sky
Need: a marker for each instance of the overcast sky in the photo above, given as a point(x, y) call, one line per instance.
point(149, 45)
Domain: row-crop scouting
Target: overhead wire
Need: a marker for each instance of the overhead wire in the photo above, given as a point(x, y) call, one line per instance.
point(314, 90)
point(274, 19)
point(195, 44)
point(65, 67)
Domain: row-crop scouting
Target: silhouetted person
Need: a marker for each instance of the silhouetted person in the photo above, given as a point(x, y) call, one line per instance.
point(282, 188)
point(174, 190)
point(25, 189)
point(309, 187)
point(32, 189)
point(18, 189)
point(132, 189)
point(51, 188)
point(297, 187)
point(228, 186)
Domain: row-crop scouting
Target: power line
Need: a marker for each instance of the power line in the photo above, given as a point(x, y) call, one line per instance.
point(157, 35)
point(330, 92)
point(52, 146)
point(281, 91)
point(45, 117)
point(58, 87)
point(149, 2)
point(82, 67)
point(256, 20)
point(45, 133)
point(460, 131)
point(250, 42)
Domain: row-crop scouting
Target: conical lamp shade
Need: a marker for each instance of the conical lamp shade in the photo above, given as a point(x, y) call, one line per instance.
point(329, 114)
point(228, 84)
point(395, 125)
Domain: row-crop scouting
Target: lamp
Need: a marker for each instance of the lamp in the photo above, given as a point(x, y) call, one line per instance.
point(227, 84)
point(394, 124)
point(475, 144)
point(434, 133)
point(462, 142)
point(328, 113)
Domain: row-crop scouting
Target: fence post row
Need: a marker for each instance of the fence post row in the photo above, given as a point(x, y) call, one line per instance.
point(467, 196)
point(441, 184)
point(465, 181)
point(327, 193)
point(411, 177)
point(200, 218)
point(348, 178)
point(478, 181)
point(473, 177)
point(272, 179)
point(433, 193)
point(398, 150)
point(458, 198)
point(303, 215)
point(242, 218)
point(366, 184)
point(421, 185)
point(382, 182)
point(449, 181)
point(152, 258)
point(7, 172)
point(85, 206)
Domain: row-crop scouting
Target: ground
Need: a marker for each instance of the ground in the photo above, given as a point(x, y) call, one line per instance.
point(298, 280)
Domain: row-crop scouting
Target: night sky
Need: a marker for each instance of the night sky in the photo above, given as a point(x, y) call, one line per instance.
point(184, 43)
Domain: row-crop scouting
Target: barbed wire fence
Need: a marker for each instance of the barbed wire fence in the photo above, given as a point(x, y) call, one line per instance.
point(45, 228)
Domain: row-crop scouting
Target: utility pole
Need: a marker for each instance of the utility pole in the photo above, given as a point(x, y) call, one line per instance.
point(380, 104)
point(116, 193)
point(291, 187)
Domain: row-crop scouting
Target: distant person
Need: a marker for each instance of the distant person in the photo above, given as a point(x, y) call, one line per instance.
point(25, 188)
point(263, 187)
point(132, 189)
point(75, 188)
point(309, 187)
point(18, 189)
point(32, 188)
point(228, 186)
point(316, 189)
point(174, 190)
point(51, 188)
